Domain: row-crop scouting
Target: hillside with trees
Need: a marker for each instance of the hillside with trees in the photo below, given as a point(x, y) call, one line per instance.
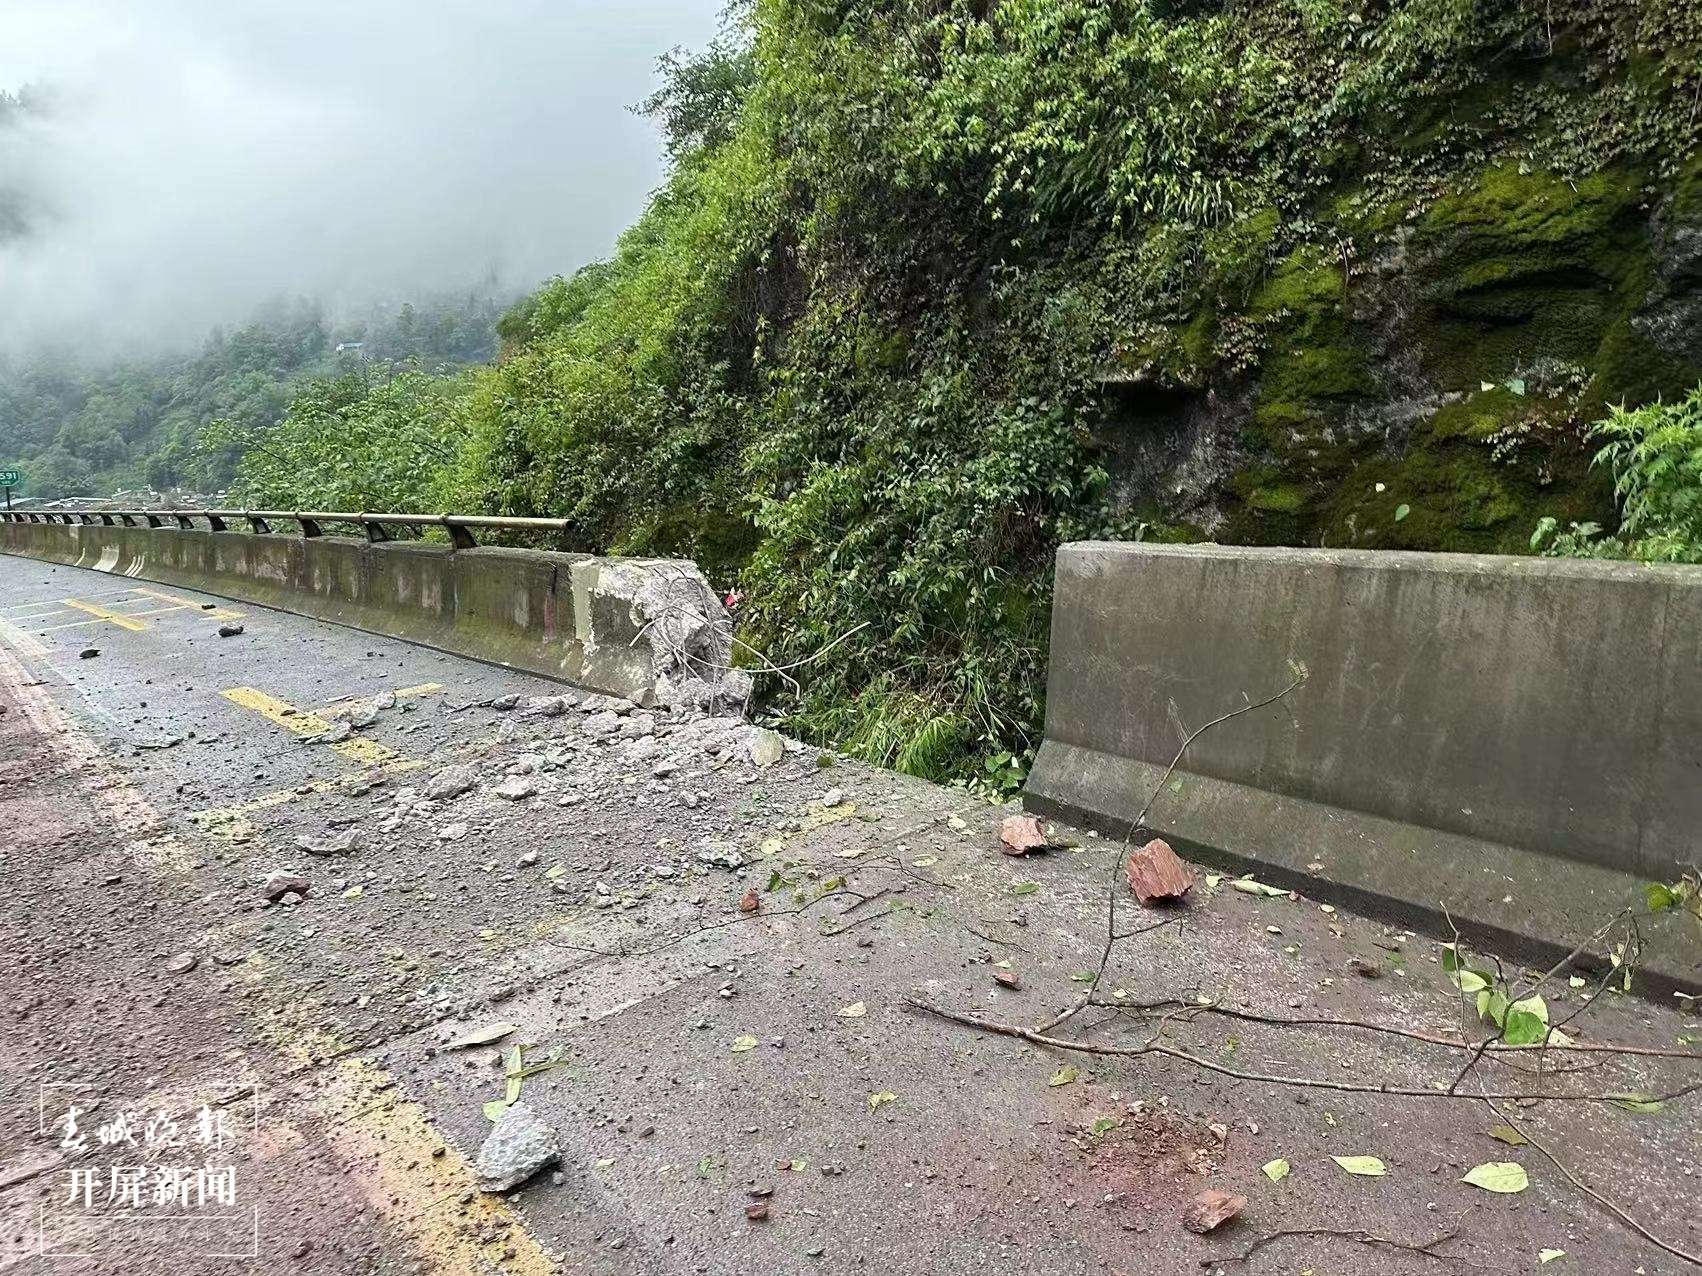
point(83, 425)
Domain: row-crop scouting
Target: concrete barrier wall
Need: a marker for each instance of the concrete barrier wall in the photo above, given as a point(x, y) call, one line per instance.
point(651, 629)
point(1516, 740)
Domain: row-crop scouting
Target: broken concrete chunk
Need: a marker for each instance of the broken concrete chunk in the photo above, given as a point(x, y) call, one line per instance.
point(518, 1146)
point(1156, 872)
point(1020, 834)
point(336, 844)
point(764, 747)
point(451, 782)
point(719, 855)
point(229, 631)
point(504, 703)
point(334, 734)
point(546, 706)
point(1210, 1209)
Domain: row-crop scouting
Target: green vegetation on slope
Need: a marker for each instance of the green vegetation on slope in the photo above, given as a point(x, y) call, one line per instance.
point(936, 284)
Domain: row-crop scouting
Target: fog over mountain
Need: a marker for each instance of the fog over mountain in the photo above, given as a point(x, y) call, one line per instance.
point(170, 164)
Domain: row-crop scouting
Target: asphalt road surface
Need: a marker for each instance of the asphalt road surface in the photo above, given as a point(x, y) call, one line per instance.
point(275, 1087)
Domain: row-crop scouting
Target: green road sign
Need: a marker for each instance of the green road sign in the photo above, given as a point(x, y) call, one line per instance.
point(11, 478)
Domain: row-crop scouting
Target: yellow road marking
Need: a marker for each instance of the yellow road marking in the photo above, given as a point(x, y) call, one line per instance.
point(414, 1177)
point(401, 693)
point(231, 822)
point(106, 613)
point(386, 1139)
point(217, 613)
point(78, 624)
point(284, 714)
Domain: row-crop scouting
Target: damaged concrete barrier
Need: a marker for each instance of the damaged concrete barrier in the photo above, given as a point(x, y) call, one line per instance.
point(1517, 741)
point(648, 629)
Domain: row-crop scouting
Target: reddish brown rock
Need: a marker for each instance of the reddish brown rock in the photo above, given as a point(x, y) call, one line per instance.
point(1020, 834)
point(1157, 872)
point(1211, 1207)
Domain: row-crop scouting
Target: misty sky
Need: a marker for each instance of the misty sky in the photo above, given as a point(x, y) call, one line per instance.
point(209, 154)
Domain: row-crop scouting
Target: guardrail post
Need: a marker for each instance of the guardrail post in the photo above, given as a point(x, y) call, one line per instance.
point(375, 532)
point(129, 520)
point(459, 537)
point(309, 526)
point(259, 525)
point(153, 520)
point(215, 522)
point(106, 519)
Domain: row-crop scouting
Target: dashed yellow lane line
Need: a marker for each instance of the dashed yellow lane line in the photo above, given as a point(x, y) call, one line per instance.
point(107, 614)
point(231, 822)
point(401, 693)
point(284, 714)
point(217, 613)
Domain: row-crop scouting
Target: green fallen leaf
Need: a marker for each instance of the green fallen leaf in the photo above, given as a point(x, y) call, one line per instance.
point(1575, 981)
point(1064, 1075)
point(495, 1108)
point(742, 1044)
point(1084, 976)
point(1549, 1255)
point(483, 1036)
point(514, 1070)
point(1176, 785)
point(555, 872)
point(1276, 1171)
point(1497, 1176)
point(1517, 385)
point(879, 1101)
point(1401, 511)
point(1247, 886)
point(1636, 1102)
point(1105, 1125)
point(1508, 1135)
point(354, 892)
point(1367, 1166)
point(1025, 888)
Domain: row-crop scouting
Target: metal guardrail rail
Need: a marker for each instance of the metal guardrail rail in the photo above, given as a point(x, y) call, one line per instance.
point(311, 523)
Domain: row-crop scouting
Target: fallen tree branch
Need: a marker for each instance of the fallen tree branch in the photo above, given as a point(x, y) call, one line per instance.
point(1409, 1034)
point(1358, 1234)
point(1111, 935)
point(1156, 1047)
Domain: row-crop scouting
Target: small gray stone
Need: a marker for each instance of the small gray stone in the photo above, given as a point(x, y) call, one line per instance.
point(518, 1146)
point(337, 844)
point(516, 788)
